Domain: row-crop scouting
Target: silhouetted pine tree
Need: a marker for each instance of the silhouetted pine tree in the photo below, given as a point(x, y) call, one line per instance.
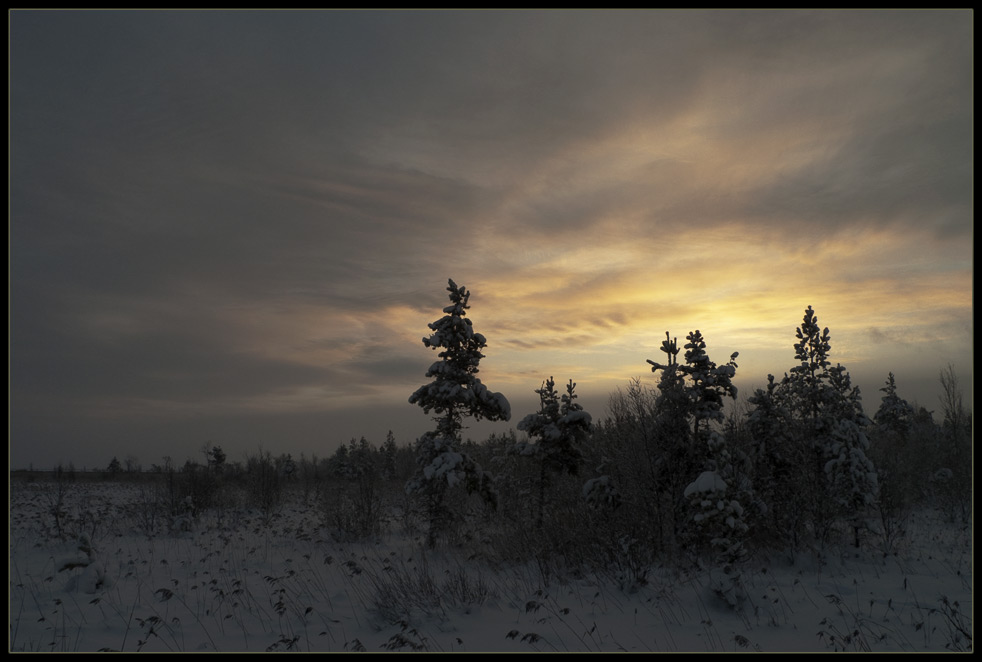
point(779, 457)
point(893, 453)
point(692, 395)
point(717, 515)
point(389, 452)
point(454, 393)
point(827, 433)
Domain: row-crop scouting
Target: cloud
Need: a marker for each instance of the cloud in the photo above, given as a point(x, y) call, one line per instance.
point(241, 212)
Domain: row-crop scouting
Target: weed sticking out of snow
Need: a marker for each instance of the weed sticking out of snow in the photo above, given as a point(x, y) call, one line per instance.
point(93, 575)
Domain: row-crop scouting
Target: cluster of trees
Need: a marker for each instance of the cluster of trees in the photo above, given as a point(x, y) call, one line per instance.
point(669, 474)
point(672, 474)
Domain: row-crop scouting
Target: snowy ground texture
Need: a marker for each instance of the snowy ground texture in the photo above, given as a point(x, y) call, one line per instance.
point(244, 584)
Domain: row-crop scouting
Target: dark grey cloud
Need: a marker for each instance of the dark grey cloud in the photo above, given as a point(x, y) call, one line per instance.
point(902, 176)
point(169, 364)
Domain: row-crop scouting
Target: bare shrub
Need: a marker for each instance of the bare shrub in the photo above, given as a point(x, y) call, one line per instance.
point(403, 589)
point(354, 510)
point(265, 485)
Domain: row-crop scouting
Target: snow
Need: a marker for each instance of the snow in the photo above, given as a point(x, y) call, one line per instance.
point(500, 403)
point(447, 465)
point(577, 418)
point(92, 578)
point(708, 481)
point(242, 584)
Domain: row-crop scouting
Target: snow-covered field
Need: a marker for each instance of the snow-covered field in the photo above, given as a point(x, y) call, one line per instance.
point(242, 583)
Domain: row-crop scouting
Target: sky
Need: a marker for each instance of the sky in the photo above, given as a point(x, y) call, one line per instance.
point(233, 228)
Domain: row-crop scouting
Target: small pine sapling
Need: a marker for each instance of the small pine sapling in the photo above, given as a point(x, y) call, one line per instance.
point(555, 432)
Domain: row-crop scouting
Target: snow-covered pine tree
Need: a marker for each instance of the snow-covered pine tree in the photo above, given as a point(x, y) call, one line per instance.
point(710, 383)
point(672, 405)
point(601, 492)
point(455, 393)
point(554, 434)
point(805, 389)
point(810, 377)
point(852, 477)
point(673, 449)
point(339, 464)
point(695, 390)
point(833, 424)
point(718, 517)
point(895, 414)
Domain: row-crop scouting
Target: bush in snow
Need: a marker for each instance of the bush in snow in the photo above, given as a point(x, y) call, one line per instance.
point(643, 460)
point(92, 571)
point(708, 496)
point(353, 504)
point(718, 519)
point(454, 393)
point(265, 483)
point(601, 493)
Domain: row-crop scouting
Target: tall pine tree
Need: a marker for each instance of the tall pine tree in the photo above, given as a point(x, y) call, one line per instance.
point(710, 501)
point(455, 393)
point(826, 433)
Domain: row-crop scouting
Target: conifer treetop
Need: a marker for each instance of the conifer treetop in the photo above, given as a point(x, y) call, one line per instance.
point(813, 347)
point(455, 391)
